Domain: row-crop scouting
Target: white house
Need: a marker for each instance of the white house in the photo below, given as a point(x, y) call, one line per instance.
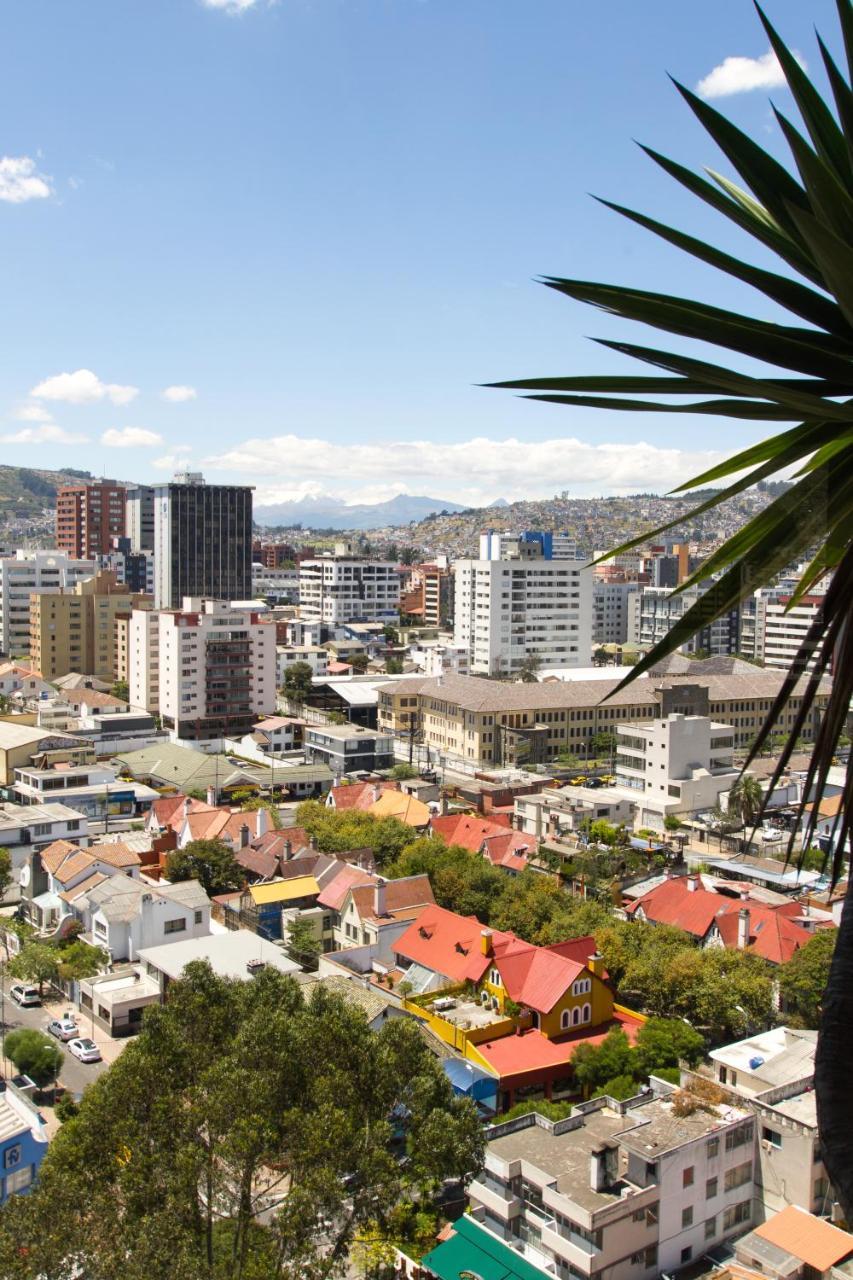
point(124, 914)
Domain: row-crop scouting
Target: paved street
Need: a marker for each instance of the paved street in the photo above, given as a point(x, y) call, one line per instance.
point(75, 1075)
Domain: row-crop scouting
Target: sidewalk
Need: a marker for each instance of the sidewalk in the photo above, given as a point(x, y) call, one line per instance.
point(54, 1007)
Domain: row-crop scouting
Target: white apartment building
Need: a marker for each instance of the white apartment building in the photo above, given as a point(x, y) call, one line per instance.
point(217, 670)
point(32, 573)
point(281, 584)
point(786, 628)
point(314, 655)
point(143, 659)
point(610, 610)
point(654, 611)
point(342, 588)
point(680, 764)
point(626, 1191)
point(773, 1072)
point(507, 611)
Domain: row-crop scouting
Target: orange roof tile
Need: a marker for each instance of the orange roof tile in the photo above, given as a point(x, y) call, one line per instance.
point(395, 804)
point(116, 854)
point(332, 895)
point(467, 829)
point(96, 878)
point(516, 1055)
point(813, 1240)
point(401, 896)
point(53, 856)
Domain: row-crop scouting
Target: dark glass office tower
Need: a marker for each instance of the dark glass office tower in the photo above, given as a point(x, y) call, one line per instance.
point(202, 541)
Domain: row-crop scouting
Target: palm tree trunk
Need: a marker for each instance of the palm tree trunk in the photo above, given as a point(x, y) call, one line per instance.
point(834, 1063)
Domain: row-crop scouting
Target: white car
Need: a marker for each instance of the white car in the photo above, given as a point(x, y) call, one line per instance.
point(84, 1049)
point(64, 1027)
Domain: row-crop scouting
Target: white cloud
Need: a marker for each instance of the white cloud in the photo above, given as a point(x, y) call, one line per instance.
point(20, 180)
point(474, 472)
point(33, 413)
point(740, 75)
point(49, 433)
point(175, 461)
point(179, 394)
point(230, 6)
point(82, 387)
point(131, 438)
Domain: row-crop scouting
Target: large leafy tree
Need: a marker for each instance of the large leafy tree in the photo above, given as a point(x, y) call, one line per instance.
point(246, 1132)
point(211, 862)
point(800, 374)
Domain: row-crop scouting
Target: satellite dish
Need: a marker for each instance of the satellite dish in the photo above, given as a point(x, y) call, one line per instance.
point(24, 876)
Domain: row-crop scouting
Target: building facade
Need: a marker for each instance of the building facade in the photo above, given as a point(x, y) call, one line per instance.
point(342, 588)
point(88, 517)
point(610, 610)
point(217, 670)
point(202, 541)
point(76, 630)
point(139, 517)
point(507, 612)
point(27, 573)
point(654, 611)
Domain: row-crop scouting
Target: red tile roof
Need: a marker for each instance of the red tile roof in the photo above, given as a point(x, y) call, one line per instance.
point(811, 1240)
point(401, 898)
point(451, 945)
point(332, 895)
point(509, 851)
point(359, 795)
point(771, 933)
point(532, 1051)
point(467, 829)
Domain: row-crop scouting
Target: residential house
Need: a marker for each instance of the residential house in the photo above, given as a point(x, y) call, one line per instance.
point(630, 1190)
point(20, 743)
point(377, 914)
point(125, 914)
point(20, 683)
point(795, 1245)
point(25, 828)
point(348, 748)
point(54, 877)
point(517, 1010)
point(236, 954)
point(94, 790)
point(726, 919)
point(495, 840)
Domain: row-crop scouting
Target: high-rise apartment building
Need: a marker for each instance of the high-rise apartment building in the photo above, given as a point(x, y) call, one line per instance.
point(654, 611)
point(217, 669)
point(22, 575)
point(88, 517)
point(610, 610)
point(76, 630)
point(507, 611)
point(139, 518)
point(143, 659)
point(344, 588)
point(202, 541)
point(426, 595)
point(786, 627)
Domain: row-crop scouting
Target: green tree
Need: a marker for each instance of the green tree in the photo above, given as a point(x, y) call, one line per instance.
point(6, 873)
point(746, 799)
point(81, 960)
point(394, 666)
point(359, 663)
point(337, 832)
point(594, 1065)
point(529, 670)
point(664, 1042)
point(303, 945)
point(34, 1054)
point(121, 689)
point(803, 979)
point(297, 681)
point(211, 862)
point(402, 772)
point(232, 1087)
point(620, 1087)
point(799, 215)
point(36, 962)
point(257, 802)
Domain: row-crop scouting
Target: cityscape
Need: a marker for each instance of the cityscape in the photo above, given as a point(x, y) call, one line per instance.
point(412, 887)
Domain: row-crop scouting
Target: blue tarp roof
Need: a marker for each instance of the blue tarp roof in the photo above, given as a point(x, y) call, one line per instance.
point(468, 1079)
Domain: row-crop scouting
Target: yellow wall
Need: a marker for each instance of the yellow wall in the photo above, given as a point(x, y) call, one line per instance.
point(600, 997)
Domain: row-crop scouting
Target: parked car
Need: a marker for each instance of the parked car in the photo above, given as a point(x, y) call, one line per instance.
point(64, 1028)
point(24, 995)
point(84, 1049)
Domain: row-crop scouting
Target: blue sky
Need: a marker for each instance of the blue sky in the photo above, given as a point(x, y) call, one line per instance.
point(324, 218)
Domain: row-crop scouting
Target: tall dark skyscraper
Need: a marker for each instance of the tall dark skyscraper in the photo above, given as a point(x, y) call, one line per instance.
point(202, 541)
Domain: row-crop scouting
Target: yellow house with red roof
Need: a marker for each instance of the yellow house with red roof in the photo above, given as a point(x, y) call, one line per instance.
point(518, 1010)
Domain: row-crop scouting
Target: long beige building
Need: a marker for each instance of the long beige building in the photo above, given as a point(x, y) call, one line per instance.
point(76, 630)
point(479, 723)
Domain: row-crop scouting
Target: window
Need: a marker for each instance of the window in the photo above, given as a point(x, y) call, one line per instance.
point(564, 1019)
point(686, 1254)
point(739, 1137)
point(178, 925)
point(738, 1176)
point(713, 1148)
point(198, 916)
point(771, 1136)
point(687, 1217)
point(710, 1188)
point(18, 1180)
point(737, 1214)
point(576, 1016)
point(687, 1177)
point(587, 1013)
point(710, 1228)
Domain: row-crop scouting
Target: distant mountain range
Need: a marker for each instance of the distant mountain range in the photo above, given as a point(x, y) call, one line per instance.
point(326, 512)
point(26, 491)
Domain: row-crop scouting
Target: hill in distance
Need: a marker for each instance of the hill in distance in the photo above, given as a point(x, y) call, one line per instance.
point(26, 491)
point(331, 513)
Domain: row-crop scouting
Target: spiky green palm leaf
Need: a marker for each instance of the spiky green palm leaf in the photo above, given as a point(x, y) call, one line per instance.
point(804, 215)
